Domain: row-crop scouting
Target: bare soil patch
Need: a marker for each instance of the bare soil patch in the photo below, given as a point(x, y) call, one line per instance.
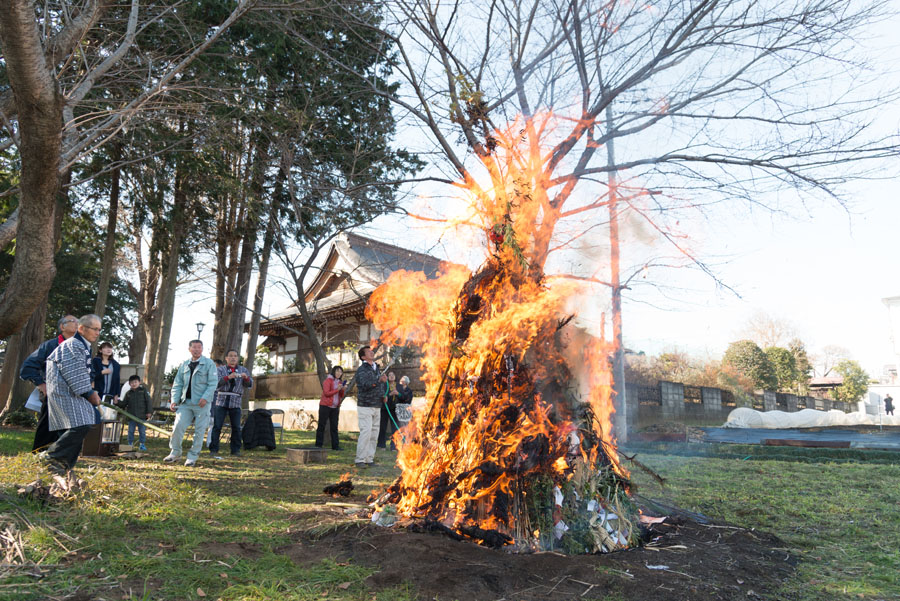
point(240, 550)
point(686, 561)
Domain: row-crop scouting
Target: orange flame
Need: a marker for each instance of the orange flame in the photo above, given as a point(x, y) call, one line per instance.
point(503, 378)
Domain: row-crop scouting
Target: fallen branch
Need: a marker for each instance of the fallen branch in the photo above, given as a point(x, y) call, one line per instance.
point(644, 468)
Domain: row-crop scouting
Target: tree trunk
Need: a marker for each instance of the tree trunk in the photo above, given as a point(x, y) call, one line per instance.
point(14, 391)
point(31, 337)
point(312, 335)
point(262, 276)
point(249, 229)
point(162, 329)
point(109, 248)
point(226, 265)
point(241, 292)
point(145, 296)
point(10, 371)
point(8, 229)
point(161, 326)
point(137, 346)
point(39, 106)
point(620, 418)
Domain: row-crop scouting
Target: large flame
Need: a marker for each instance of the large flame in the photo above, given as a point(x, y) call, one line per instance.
point(518, 397)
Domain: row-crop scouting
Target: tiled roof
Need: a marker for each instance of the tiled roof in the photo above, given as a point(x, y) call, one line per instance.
point(365, 264)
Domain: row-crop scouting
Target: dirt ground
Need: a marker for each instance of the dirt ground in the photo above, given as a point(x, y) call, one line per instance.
point(686, 560)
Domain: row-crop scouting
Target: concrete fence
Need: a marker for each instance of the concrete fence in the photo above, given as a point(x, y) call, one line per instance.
point(647, 405)
point(701, 405)
point(306, 385)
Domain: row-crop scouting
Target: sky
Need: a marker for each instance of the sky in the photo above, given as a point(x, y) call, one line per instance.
point(823, 269)
point(825, 275)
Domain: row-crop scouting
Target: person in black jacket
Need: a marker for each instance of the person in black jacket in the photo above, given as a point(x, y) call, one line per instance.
point(106, 372)
point(387, 426)
point(404, 402)
point(34, 370)
point(369, 392)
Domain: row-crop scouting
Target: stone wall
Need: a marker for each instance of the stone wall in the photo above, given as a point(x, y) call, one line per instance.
point(305, 385)
point(668, 402)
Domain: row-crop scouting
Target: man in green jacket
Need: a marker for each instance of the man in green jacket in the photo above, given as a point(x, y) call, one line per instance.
point(192, 391)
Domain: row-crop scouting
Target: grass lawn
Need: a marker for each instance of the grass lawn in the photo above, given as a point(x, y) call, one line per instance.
point(145, 530)
point(840, 517)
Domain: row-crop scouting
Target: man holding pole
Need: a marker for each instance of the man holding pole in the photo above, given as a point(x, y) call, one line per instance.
point(370, 388)
point(71, 399)
point(34, 370)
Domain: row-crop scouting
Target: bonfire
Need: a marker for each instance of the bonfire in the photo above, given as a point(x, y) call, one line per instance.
point(515, 448)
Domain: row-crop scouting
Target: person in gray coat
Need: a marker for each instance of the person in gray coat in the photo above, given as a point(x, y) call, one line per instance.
point(71, 399)
point(192, 391)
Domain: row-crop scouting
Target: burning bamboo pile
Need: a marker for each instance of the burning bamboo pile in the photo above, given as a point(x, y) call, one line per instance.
point(515, 448)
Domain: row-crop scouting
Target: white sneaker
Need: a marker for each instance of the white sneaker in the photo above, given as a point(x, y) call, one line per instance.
point(190, 463)
point(170, 458)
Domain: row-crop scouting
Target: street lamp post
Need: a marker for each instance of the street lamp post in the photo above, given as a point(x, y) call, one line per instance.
point(200, 325)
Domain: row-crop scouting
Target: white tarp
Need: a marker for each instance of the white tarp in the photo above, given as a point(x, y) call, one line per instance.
point(744, 417)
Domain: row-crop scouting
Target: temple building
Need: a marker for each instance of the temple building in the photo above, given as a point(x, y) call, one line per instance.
point(336, 300)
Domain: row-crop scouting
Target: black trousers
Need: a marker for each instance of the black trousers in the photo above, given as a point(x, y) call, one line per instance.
point(330, 415)
point(43, 437)
point(386, 428)
point(68, 447)
point(234, 414)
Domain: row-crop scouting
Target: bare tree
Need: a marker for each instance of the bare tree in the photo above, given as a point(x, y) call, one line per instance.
point(708, 102)
point(48, 119)
point(828, 359)
point(768, 331)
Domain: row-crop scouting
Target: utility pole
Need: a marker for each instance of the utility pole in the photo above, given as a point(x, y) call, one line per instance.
point(620, 421)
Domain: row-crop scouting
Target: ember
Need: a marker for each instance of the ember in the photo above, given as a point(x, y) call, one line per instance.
point(516, 446)
point(342, 488)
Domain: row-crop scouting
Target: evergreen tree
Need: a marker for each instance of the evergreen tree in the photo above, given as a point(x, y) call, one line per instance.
point(784, 366)
point(750, 361)
point(856, 381)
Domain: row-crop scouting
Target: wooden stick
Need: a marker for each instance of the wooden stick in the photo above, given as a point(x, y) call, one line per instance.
point(166, 433)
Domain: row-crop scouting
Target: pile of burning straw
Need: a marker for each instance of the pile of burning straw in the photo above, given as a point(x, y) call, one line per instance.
point(515, 448)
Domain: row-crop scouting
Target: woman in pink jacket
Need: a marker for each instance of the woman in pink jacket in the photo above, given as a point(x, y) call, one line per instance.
point(333, 389)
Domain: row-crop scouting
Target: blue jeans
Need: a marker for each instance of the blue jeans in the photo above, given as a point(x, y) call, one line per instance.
point(142, 432)
point(234, 414)
point(185, 414)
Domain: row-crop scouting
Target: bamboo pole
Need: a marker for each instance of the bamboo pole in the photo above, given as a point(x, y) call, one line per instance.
point(154, 427)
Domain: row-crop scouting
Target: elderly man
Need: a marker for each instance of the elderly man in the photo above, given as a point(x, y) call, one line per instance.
point(71, 399)
point(193, 388)
point(233, 379)
point(34, 370)
point(369, 392)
